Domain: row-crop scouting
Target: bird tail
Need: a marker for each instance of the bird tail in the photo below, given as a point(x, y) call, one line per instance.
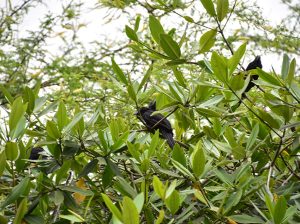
point(169, 138)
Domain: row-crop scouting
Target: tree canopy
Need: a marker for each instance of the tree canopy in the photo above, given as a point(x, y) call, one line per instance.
point(73, 150)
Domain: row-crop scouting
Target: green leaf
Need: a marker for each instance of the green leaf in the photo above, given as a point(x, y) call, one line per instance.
point(207, 112)
point(146, 77)
point(209, 6)
point(131, 34)
point(189, 19)
point(246, 219)
point(207, 41)
point(236, 58)
point(17, 113)
point(2, 162)
point(159, 187)
point(182, 169)
point(238, 152)
point(156, 28)
point(267, 117)
point(131, 92)
point(74, 121)
point(222, 9)
point(52, 130)
point(12, 151)
point(137, 23)
point(169, 46)
point(74, 189)
point(267, 77)
point(16, 192)
point(61, 116)
point(178, 155)
point(22, 209)
point(160, 217)
point(171, 188)
point(114, 210)
point(285, 66)
point(7, 95)
point(279, 210)
point(173, 202)
point(154, 143)
point(291, 72)
point(198, 160)
point(139, 201)
point(130, 213)
point(219, 66)
point(179, 76)
point(72, 218)
point(224, 177)
point(29, 98)
point(88, 168)
point(124, 187)
point(118, 71)
point(253, 137)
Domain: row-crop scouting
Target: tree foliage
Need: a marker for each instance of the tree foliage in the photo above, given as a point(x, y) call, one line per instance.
point(72, 149)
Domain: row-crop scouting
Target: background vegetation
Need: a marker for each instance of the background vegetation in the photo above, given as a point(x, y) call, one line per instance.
point(98, 164)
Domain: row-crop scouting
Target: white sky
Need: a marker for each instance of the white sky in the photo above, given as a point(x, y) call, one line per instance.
point(96, 29)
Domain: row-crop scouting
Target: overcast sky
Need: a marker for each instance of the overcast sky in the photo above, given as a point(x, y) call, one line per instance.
point(96, 29)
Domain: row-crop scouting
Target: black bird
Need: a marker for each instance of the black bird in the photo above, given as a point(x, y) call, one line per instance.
point(156, 122)
point(256, 63)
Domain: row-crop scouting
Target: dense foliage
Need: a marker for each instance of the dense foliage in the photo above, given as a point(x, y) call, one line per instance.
point(72, 149)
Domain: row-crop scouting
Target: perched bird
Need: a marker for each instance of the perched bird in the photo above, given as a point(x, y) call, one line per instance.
point(35, 153)
point(156, 122)
point(256, 63)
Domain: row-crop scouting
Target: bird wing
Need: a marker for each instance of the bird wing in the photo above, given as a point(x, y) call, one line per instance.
point(152, 120)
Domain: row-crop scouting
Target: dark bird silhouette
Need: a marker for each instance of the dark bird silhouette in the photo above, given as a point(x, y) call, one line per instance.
point(156, 122)
point(256, 63)
point(35, 153)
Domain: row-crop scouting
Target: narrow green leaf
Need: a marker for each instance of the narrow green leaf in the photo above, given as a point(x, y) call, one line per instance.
point(61, 116)
point(189, 19)
point(173, 202)
point(267, 117)
point(236, 58)
point(280, 210)
point(207, 112)
point(246, 219)
point(2, 162)
point(131, 92)
point(209, 6)
point(29, 98)
point(7, 94)
point(17, 112)
point(130, 213)
point(285, 66)
point(22, 209)
point(52, 130)
point(159, 187)
point(118, 71)
point(267, 77)
point(219, 66)
point(178, 155)
point(222, 9)
point(146, 77)
point(253, 136)
point(12, 151)
point(156, 28)
point(139, 201)
point(160, 217)
point(88, 168)
point(74, 121)
point(114, 210)
point(182, 169)
point(291, 72)
point(198, 160)
point(131, 34)
point(16, 192)
point(207, 41)
point(169, 46)
point(137, 23)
